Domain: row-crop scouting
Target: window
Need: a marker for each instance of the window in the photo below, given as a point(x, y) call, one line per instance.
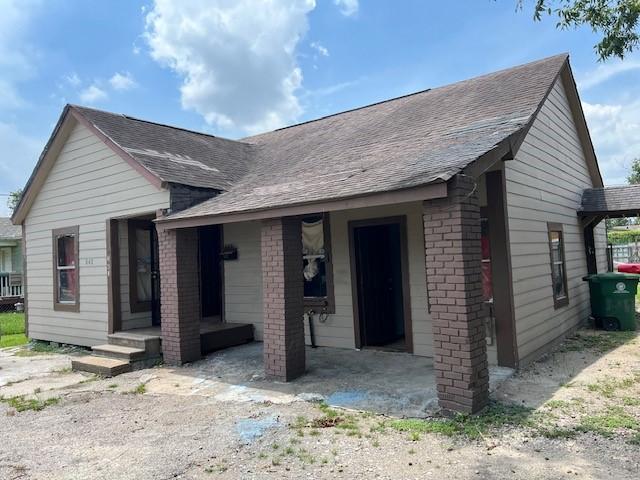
point(66, 295)
point(558, 266)
point(5, 260)
point(317, 269)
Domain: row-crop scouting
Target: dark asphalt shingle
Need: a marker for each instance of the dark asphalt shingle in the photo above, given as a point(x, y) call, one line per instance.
point(175, 155)
point(406, 142)
point(9, 231)
point(624, 198)
point(409, 141)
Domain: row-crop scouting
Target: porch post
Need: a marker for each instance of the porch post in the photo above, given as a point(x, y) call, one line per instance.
point(282, 297)
point(179, 295)
point(453, 262)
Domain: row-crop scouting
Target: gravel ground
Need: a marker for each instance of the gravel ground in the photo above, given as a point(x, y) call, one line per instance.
point(101, 429)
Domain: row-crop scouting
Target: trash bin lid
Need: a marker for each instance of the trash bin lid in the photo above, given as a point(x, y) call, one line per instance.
point(613, 276)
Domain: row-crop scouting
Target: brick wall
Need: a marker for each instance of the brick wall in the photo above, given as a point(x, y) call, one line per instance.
point(282, 296)
point(179, 295)
point(453, 261)
point(183, 196)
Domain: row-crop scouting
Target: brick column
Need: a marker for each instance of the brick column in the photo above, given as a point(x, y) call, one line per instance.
point(453, 261)
point(179, 295)
point(282, 298)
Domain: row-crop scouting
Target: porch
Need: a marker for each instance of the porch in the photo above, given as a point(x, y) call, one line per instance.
point(214, 335)
point(397, 276)
point(389, 383)
point(10, 286)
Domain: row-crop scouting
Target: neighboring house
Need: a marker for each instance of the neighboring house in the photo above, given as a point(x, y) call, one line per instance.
point(443, 224)
point(10, 262)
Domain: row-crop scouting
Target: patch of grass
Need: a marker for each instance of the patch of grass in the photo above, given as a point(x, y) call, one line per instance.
point(305, 457)
point(13, 340)
point(631, 401)
point(219, 468)
point(113, 385)
point(555, 432)
point(635, 439)
point(140, 389)
point(21, 403)
point(471, 426)
point(327, 410)
point(607, 387)
point(11, 323)
point(600, 342)
point(39, 348)
point(607, 423)
point(557, 404)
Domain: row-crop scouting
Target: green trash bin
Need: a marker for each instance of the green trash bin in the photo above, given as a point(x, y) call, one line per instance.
point(613, 300)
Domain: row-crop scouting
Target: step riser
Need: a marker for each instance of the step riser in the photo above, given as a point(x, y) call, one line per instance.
point(120, 356)
point(151, 345)
point(77, 365)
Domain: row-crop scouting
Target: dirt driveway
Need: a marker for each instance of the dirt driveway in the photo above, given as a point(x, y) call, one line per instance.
point(575, 414)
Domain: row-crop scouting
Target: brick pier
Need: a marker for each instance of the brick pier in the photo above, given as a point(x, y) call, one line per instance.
point(179, 295)
point(282, 297)
point(453, 261)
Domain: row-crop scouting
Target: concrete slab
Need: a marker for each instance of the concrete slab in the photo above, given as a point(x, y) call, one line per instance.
point(16, 369)
point(396, 384)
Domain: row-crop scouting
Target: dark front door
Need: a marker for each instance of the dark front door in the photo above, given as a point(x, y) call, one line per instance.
point(155, 278)
point(144, 276)
point(378, 263)
point(210, 271)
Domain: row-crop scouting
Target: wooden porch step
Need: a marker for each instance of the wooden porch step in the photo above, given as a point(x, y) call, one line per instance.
point(107, 367)
point(223, 335)
point(149, 343)
point(119, 352)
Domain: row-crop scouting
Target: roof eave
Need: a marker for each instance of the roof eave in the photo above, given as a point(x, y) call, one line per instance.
point(428, 191)
point(54, 145)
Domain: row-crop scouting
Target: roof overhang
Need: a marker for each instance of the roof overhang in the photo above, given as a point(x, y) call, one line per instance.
point(68, 119)
point(423, 192)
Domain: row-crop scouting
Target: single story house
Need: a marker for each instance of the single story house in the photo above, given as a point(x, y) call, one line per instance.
point(10, 263)
point(442, 223)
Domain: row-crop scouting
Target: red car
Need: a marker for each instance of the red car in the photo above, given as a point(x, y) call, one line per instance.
point(629, 267)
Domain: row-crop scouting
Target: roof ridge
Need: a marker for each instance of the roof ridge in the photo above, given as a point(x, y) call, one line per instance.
point(362, 107)
point(136, 119)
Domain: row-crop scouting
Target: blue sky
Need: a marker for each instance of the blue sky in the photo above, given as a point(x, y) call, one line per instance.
point(234, 67)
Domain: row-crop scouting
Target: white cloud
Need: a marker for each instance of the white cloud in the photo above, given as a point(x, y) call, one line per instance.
point(93, 94)
point(16, 54)
point(606, 71)
point(19, 155)
point(122, 81)
point(347, 7)
point(320, 49)
point(73, 79)
point(236, 59)
point(614, 131)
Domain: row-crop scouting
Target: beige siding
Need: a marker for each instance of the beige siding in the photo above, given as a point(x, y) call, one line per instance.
point(243, 284)
point(544, 184)
point(129, 320)
point(87, 185)
point(243, 277)
point(600, 237)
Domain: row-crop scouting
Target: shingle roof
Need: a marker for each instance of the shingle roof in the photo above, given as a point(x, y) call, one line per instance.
point(174, 154)
point(611, 200)
point(410, 141)
point(9, 231)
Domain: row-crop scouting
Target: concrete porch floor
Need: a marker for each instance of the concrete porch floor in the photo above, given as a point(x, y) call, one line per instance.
point(396, 384)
